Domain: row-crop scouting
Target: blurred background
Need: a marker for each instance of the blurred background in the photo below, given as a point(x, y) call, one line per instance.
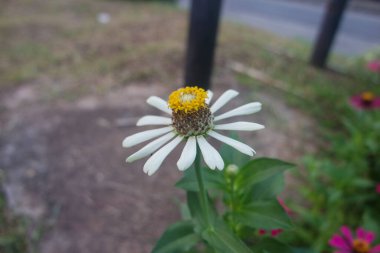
point(74, 78)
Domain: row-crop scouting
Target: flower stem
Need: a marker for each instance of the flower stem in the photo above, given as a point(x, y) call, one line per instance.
point(202, 191)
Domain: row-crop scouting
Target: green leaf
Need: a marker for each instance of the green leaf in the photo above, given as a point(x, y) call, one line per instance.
point(185, 212)
point(178, 237)
point(216, 233)
point(361, 182)
point(223, 240)
point(268, 189)
point(195, 207)
point(7, 240)
point(212, 179)
point(258, 170)
point(270, 245)
point(371, 221)
point(302, 250)
point(264, 214)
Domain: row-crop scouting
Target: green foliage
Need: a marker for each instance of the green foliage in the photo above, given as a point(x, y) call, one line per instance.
point(343, 179)
point(12, 231)
point(34, 58)
point(268, 189)
point(259, 170)
point(178, 237)
point(337, 186)
point(199, 217)
point(269, 245)
point(212, 180)
point(223, 240)
point(358, 67)
point(214, 231)
point(265, 214)
point(246, 196)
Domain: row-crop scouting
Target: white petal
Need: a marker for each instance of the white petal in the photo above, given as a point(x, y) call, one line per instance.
point(144, 136)
point(240, 126)
point(188, 154)
point(242, 110)
point(209, 96)
point(244, 148)
point(155, 161)
point(223, 99)
point(151, 147)
point(206, 153)
point(159, 103)
point(154, 120)
point(210, 155)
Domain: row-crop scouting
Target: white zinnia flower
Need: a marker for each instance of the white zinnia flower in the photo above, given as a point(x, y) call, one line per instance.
point(192, 119)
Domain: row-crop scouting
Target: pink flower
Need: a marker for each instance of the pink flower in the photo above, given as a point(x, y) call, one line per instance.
point(346, 243)
point(374, 66)
point(378, 188)
point(262, 231)
point(276, 232)
point(366, 100)
point(273, 232)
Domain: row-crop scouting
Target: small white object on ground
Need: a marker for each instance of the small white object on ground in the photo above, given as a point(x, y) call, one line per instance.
point(103, 18)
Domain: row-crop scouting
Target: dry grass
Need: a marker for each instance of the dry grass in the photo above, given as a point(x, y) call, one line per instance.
point(60, 46)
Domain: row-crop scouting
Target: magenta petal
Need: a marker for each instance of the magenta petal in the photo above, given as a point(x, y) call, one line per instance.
point(376, 102)
point(360, 233)
point(347, 233)
point(369, 237)
point(338, 242)
point(374, 65)
point(356, 101)
point(376, 249)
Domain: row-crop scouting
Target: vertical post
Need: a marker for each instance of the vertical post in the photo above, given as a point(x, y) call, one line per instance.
point(331, 20)
point(204, 20)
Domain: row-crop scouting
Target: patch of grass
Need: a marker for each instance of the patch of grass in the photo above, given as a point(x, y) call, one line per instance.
point(324, 94)
point(61, 46)
point(70, 55)
point(26, 60)
point(12, 231)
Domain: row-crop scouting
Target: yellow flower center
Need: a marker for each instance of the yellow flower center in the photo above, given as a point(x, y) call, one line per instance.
point(367, 96)
point(188, 99)
point(361, 246)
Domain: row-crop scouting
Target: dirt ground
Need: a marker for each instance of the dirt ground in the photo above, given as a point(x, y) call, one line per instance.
point(65, 168)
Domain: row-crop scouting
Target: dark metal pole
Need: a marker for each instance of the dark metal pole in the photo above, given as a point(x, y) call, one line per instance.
point(204, 20)
point(330, 24)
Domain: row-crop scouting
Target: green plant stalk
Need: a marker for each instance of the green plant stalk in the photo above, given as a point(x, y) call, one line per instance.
point(202, 192)
point(232, 205)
